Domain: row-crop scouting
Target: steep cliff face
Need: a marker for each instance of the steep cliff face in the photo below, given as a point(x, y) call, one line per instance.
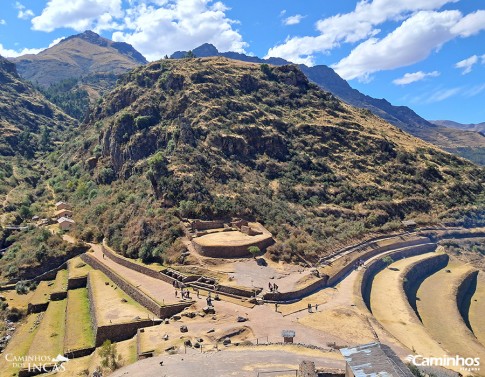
point(25, 114)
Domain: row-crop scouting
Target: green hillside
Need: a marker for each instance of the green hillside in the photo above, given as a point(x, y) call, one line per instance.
point(215, 138)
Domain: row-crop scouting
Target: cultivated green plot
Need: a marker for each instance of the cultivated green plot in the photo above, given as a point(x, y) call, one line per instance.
point(42, 293)
point(49, 340)
point(79, 333)
point(60, 284)
point(77, 268)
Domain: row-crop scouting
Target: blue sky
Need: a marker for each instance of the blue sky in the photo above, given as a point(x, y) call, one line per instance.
point(428, 54)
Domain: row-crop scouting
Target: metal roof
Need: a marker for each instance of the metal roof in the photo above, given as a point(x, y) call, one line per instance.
point(374, 359)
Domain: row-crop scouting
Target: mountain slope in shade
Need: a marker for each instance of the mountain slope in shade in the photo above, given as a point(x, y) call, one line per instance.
point(470, 145)
point(476, 127)
point(25, 114)
point(77, 56)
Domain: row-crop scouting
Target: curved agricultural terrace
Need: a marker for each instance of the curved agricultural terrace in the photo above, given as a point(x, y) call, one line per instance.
point(431, 303)
point(141, 306)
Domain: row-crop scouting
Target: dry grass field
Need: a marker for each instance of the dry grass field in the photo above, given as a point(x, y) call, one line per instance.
point(391, 308)
point(111, 303)
point(439, 312)
point(477, 309)
point(20, 343)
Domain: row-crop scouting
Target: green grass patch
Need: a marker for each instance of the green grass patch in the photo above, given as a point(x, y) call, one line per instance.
point(60, 284)
point(77, 268)
point(79, 333)
point(42, 293)
point(49, 339)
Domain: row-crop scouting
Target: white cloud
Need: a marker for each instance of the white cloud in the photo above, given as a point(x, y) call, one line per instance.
point(153, 27)
point(180, 25)
point(471, 24)
point(23, 12)
point(443, 94)
point(350, 27)
point(25, 51)
point(467, 64)
point(413, 41)
point(474, 90)
point(293, 20)
point(3, 22)
point(9, 53)
point(409, 78)
point(78, 15)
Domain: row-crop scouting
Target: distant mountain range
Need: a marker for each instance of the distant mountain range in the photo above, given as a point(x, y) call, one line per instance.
point(77, 56)
point(477, 127)
point(464, 142)
point(91, 65)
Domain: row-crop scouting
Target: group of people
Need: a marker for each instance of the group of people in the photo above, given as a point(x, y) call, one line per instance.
point(272, 287)
point(184, 293)
point(310, 308)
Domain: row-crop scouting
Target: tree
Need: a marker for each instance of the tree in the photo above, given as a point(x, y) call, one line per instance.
point(254, 250)
point(109, 355)
point(387, 260)
point(190, 55)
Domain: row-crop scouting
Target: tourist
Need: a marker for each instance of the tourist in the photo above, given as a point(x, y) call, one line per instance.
point(309, 308)
point(270, 287)
point(176, 293)
point(316, 307)
point(275, 288)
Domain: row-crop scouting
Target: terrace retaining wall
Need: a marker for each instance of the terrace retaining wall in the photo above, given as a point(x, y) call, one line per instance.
point(77, 282)
point(135, 266)
point(161, 311)
point(120, 331)
point(230, 251)
point(378, 265)
point(37, 308)
point(376, 250)
point(297, 294)
point(418, 272)
point(464, 294)
point(56, 296)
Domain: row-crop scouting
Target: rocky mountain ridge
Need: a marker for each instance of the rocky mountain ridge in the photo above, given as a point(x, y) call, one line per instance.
point(216, 138)
point(462, 142)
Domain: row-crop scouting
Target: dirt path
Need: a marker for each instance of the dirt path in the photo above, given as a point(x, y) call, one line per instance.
point(241, 363)
point(391, 308)
point(439, 312)
point(262, 319)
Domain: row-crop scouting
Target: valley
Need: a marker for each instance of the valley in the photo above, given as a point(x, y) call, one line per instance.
point(204, 215)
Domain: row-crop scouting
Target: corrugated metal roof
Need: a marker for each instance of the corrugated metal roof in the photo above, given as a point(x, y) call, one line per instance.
point(374, 359)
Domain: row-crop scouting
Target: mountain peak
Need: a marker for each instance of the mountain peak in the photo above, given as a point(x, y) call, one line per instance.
point(89, 36)
point(79, 56)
